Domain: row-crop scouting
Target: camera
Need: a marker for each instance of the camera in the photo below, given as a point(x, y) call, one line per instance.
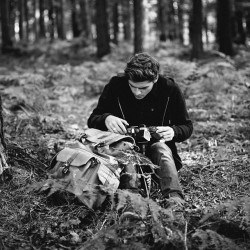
point(142, 135)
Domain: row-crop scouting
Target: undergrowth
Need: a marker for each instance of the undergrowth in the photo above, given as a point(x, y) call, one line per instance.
point(44, 109)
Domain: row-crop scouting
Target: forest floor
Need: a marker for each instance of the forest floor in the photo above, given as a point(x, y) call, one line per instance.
point(48, 94)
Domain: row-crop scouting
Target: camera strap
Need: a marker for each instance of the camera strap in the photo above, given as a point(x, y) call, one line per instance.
point(120, 106)
point(165, 110)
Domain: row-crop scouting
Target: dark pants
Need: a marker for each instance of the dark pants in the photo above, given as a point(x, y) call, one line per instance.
point(161, 155)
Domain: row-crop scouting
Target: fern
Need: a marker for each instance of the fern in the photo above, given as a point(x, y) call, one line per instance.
point(219, 232)
point(161, 220)
point(230, 208)
point(143, 206)
point(156, 230)
point(157, 223)
point(111, 238)
point(210, 240)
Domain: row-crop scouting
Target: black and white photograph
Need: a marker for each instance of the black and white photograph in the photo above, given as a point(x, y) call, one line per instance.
point(124, 124)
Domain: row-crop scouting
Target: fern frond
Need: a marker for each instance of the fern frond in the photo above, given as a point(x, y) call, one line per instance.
point(156, 211)
point(101, 240)
point(116, 238)
point(142, 205)
point(138, 203)
point(230, 208)
point(210, 240)
point(122, 199)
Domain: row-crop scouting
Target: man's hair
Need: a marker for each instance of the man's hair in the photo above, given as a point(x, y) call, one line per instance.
point(142, 67)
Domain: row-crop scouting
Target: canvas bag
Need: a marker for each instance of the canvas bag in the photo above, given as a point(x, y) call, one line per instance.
point(134, 174)
point(107, 143)
point(89, 168)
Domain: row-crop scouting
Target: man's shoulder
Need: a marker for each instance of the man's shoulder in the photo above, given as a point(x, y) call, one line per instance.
point(118, 80)
point(120, 77)
point(167, 82)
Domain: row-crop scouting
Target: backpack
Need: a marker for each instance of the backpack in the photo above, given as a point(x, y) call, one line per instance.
point(89, 168)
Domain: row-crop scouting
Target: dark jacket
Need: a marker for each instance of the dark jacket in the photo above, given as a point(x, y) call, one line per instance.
point(164, 105)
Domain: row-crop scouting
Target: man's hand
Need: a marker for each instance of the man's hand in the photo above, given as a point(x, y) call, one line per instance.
point(116, 124)
point(166, 133)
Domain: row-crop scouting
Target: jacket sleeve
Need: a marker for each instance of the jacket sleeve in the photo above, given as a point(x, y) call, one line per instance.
point(181, 124)
point(103, 108)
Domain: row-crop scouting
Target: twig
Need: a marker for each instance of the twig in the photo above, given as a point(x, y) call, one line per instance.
point(103, 224)
point(25, 110)
point(64, 247)
point(185, 237)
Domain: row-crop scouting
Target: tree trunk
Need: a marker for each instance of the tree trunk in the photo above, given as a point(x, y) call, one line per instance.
point(205, 24)
point(86, 19)
point(12, 19)
point(162, 19)
point(171, 20)
point(138, 26)
point(7, 44)
point(20, 9)
point(224, 32)
point(102, 28)
point(60, 20)
point(126, 19)
point(35, 20)
point(41, 20)
point(75, 28)
point(233, 20)
point(26, 17)
point(248, 22)
point(205, 21)
point(51, 20)
point(180, 21)
point(115, 22)
point(241, 35)
point(196, 37)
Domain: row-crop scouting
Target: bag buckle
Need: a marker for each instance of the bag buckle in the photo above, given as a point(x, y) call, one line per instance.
point(65, 170)
point(100, 145)
point(94, 162)
point(82, 138)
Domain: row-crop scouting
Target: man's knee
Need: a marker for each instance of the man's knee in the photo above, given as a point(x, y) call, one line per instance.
point(160, 151)
point(160, 147)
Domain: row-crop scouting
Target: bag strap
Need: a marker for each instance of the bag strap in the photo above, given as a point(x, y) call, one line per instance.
point(67, 163)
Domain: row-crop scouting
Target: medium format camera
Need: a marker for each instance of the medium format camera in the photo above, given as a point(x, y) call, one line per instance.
point(142, 135)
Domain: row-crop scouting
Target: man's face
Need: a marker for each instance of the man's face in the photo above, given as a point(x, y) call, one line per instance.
point(140, 89)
